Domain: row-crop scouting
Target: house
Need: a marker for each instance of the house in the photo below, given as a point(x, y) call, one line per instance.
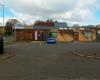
point(28, 27)
point(59, 25)
point(43, 23)
point(41, 30)
point(10, 24)
point(37, 32)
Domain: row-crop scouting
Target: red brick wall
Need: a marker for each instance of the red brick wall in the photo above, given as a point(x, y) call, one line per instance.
point(24, 35)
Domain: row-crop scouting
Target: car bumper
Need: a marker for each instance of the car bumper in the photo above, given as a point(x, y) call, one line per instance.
point(51, 42)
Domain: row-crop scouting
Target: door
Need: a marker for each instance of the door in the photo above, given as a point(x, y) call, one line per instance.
point(98, 36)
point(45, 36)
point(35, 36)
point(76, 36)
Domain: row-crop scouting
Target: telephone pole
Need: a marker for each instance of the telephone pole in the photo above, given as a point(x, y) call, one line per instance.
point(3, 13)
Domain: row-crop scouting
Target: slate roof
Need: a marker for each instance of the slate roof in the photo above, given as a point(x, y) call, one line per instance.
point(42, 27)
point(50, 25)
point(60, 25)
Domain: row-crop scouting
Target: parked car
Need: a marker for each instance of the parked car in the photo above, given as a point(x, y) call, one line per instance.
point(51, 40)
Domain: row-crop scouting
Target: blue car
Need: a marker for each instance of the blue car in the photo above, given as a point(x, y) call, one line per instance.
point(51, 41)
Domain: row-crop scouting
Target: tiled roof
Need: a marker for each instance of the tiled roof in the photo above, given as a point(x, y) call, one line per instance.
point(41, 23)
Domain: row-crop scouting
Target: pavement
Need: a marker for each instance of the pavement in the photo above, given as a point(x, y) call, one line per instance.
point(6, 56)
point(34, 61)
point(8, 40)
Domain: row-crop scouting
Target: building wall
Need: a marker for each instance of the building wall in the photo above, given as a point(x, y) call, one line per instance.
point(28, 27)
point(98, 35)
point(68, 35)
point(29, 35)
point(62, 35)
point(23, 35)
point(82, 37)
point(94, 35)
point(2, 29)
point(65, 35)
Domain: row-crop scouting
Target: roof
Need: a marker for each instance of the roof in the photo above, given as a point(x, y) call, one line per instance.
point(41, 27)
point(60, 25)
point(41, 23)
point(18, 26)
point(13, 21)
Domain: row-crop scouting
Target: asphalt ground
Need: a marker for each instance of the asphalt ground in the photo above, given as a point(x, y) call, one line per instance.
point(34, 61)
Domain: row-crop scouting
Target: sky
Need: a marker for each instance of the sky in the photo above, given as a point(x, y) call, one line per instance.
point(82, 12)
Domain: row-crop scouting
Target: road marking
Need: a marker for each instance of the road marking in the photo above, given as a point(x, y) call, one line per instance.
point(81, 55)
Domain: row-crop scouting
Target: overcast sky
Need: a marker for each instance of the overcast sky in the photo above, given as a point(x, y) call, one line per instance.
point(83, 12)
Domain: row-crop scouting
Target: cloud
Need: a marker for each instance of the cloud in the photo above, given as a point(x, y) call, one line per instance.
point(69, 10)
point(41, 7)
point(76, 15)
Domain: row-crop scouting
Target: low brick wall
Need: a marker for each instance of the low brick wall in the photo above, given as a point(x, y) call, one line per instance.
point(2, 30)
point(82, 37)
point(28, 35)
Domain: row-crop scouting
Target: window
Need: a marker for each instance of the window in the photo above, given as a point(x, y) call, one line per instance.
point(53, 34)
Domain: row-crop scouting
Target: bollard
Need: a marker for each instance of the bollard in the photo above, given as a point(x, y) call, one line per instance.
point(1, 44)
point(95, 54)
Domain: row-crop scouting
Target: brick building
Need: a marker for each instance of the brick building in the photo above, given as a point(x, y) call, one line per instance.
point(40, 31)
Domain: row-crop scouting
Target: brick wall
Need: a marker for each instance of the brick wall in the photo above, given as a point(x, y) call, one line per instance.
point(2, 29)
point(28, 35)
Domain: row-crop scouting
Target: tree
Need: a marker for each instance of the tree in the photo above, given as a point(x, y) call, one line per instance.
point(50, 20)
point(8, 28)
point(9, 24)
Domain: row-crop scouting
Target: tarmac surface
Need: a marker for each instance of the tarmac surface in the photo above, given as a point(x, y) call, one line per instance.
point(35, 61)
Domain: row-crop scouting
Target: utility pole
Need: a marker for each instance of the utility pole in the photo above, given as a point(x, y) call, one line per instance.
point(3, 13)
